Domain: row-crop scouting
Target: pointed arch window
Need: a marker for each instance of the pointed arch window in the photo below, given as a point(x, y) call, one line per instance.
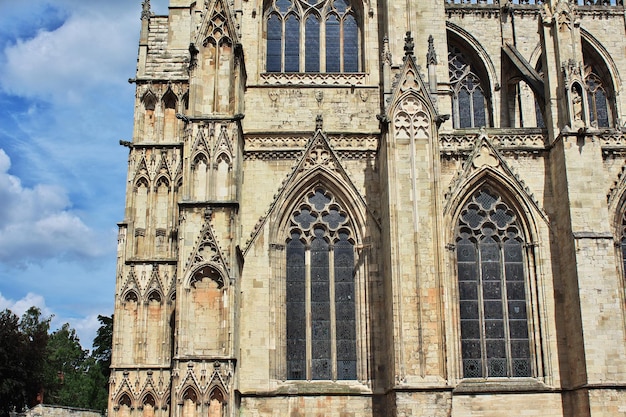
point(312, 36)
point(470, 106)
point(320, 291)
point(492, 289)
point(599, 85)
point(598, 100)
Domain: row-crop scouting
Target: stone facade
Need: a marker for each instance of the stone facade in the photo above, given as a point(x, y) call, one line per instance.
point(324, 217)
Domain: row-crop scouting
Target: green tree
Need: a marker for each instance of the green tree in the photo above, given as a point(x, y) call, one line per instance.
point(65, 369)
point(34, 330)
point(12, 373)
point(101, 353)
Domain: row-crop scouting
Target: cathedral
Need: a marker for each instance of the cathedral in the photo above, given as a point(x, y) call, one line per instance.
point(351, 208)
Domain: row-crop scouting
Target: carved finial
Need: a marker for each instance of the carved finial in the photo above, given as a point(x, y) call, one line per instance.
point(208, 212)
point(386, 53)
point(145, 10)
point(431, 56)
point(319, 122)
point(408, 44)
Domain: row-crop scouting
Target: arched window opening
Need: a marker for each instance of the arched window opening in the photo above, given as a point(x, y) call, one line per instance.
point(492, 289)
point(324, 34)
point(170, 122)
point(190, 400)
point(148, 406)
point(216, 404)
point(320, 291)
point(599, 88)
point(598, 101)
point(149, 104)
point(470, 96)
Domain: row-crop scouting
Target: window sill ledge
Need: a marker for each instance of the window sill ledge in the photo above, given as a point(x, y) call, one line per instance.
point(333, 79)
point(501, 385)
point(321, 388)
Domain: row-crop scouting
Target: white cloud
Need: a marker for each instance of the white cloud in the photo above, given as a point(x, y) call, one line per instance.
point(38, 223)
point(86, 327)
point(89, 51)
point(19, 307)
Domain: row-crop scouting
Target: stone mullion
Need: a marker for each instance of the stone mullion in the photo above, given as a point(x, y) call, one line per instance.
point(504, 297)
point(307, 311)
point(533, 302)
point(481, 312)
point(331, 301)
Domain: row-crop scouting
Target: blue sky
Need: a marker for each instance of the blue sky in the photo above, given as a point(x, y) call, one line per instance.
point(64, 105)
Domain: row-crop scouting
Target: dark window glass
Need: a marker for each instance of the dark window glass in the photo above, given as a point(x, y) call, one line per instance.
point(296, 314)
point(332, 333)
point(312, 44)
point(470, 104)
point(350, 44)
point(465, 111)
point(492, 299)
point(292, 44)
point(329, 22)
point(274, 43)
point(332, 45)
point(601, 109)
point(479, 108)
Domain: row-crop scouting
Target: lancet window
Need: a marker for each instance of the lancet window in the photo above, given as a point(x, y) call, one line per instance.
point(320, 291)
point(312, 36)
point(598, 101)
point(492, 289)
point(469, 94)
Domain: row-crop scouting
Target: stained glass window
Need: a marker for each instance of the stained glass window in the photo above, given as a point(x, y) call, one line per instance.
point(492, 289)
point(469, 102)
point(598, 101)
point(320, 291)
point(325, 34)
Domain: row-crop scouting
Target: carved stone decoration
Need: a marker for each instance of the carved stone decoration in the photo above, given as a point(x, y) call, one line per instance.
point(208, 259)
point(485, 158)
point(412, 120)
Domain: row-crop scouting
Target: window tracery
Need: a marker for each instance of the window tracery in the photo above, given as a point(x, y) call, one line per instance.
point(469, 101)
point(597, 100)
point(495, 339)
point(320, 291)
point(310, 36)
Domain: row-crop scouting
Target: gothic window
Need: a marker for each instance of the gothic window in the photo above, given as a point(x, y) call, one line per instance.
point(492, 289)
point(320, 291)
point(469, 101)
point(597, 99)
point(312, 36)
point(599, 87)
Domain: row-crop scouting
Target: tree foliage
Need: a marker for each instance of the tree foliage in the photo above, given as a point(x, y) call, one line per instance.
point(37, 366)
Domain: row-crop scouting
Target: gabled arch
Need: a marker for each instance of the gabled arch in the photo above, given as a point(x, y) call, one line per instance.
point(148, 398)
point(162, 179)
point(319, 177)
point(130, 295)
point(149, 100)
point(169, 99)
point(206, 270)
point(189, 392)
point(124, 398)
point(155, 295)
point(508, 189)
point(142, 179)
